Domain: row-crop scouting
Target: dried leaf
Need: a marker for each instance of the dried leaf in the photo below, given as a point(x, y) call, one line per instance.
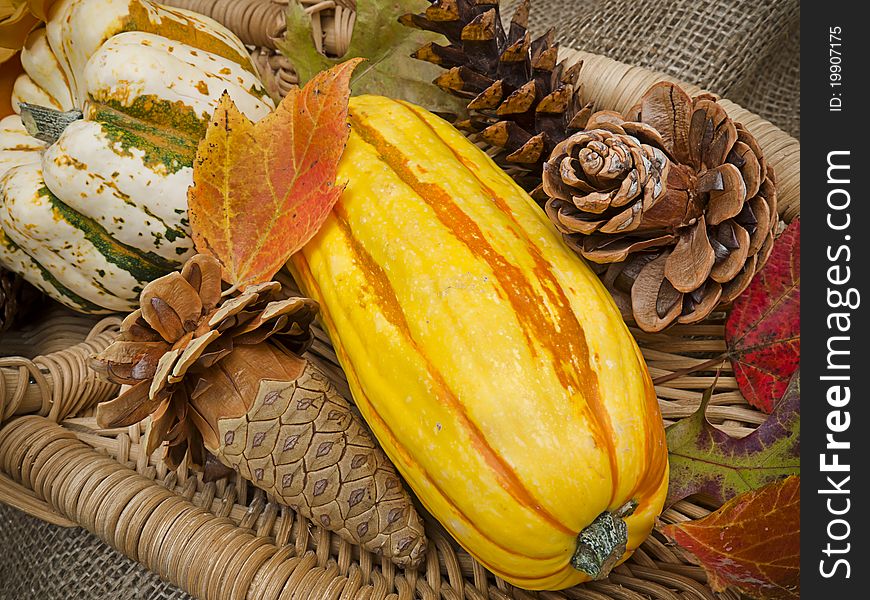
point(763, 329)
point(705, 460)
point(387, 44)
point(751, 543)
point(261, 191)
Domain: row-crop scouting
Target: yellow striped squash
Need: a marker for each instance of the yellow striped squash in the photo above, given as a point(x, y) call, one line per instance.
point(490, 362)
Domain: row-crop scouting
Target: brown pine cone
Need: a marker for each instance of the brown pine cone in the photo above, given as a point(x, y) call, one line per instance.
point(521, 99)
point(225, 375)
point(675, 204)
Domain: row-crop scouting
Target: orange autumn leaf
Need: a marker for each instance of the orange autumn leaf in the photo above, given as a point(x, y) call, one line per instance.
point(262, 190)
point(751, 543)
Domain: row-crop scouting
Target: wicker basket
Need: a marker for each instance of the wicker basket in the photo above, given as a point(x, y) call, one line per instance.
point(225, 540)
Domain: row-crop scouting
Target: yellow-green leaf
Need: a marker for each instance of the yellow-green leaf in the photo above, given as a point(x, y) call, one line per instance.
point(385, 43)
point(705, 460)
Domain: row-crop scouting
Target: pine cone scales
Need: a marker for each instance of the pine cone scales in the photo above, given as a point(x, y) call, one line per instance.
point(601, 171)
point(675, 204)
point(521, 99)
point(226, 376)
point(301, 439)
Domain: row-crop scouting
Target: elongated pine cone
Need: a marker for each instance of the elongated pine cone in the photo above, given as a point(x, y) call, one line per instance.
point(521, 99)
point(675, 205)
point(225, 375)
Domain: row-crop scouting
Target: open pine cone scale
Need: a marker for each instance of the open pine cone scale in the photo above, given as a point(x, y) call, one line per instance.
point(225, 374)
point(179, 335)
point(521, 98)
point(674, 204)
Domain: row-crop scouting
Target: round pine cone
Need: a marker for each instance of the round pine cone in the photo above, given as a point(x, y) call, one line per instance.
point(674, 204)
point(183, 329)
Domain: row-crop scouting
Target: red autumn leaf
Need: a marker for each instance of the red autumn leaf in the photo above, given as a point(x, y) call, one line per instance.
point(751, 543)
point(763, 331)
point(262, 190)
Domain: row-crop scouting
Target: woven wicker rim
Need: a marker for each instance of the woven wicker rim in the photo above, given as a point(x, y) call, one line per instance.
point(225, 539)
point(78, 474)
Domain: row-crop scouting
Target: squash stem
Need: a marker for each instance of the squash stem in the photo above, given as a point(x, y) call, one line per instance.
point(602, 543)
point(45, 123)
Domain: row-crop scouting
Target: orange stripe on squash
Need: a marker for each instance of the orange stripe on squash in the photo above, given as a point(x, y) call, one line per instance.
point(488, 359)
point(390, 305)
point(562, 334)
point(304, 277)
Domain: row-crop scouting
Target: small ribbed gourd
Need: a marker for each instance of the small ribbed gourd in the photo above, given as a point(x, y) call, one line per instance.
point(490, 362)
point(93, 215)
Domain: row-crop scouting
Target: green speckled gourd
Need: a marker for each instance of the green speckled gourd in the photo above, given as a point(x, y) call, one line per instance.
point(93, 216)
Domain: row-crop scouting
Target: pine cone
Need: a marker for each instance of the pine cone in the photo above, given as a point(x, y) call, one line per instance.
point(226, 376)
point(675, 204)
point(521, 99)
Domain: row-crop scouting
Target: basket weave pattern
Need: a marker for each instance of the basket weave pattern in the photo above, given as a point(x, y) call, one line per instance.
point(208, 538)
point(225, 539)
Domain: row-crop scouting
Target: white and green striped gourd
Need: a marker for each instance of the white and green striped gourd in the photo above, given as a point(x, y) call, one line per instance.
point(94, 215)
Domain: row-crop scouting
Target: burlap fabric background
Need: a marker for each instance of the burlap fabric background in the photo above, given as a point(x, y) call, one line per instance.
point(743, 49)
